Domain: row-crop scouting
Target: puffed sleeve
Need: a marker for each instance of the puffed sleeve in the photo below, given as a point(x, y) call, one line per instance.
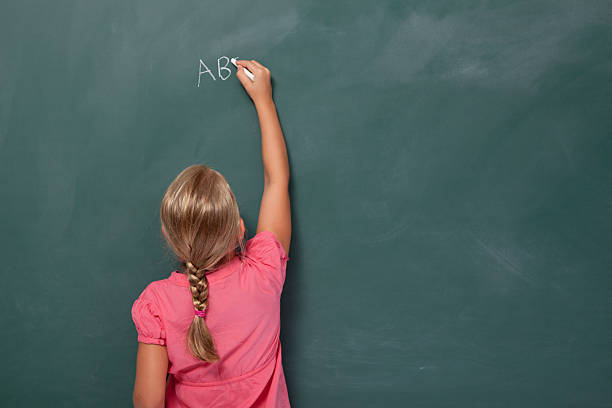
point(266, 250)
point(146, 317)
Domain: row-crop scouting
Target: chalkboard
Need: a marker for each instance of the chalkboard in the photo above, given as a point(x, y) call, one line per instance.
point(450, 186)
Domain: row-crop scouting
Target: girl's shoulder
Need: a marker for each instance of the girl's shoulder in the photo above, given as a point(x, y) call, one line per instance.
point(159, 289)
point(267, 259)
point(265, 245)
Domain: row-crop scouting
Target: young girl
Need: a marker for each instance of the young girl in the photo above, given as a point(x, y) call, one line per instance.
point(209, 334)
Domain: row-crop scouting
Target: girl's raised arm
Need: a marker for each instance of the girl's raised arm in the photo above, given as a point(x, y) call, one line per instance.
point(275, 209)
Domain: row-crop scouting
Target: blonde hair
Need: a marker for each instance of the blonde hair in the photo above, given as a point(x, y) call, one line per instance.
point(201, 222)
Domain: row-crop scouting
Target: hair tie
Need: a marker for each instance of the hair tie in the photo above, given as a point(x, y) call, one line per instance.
point(200, 313)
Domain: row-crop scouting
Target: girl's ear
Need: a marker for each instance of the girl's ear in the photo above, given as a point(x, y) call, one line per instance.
point(241, 228)
point(163, 232)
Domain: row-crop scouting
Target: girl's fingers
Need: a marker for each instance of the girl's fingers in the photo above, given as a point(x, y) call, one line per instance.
point(258, 64)
point(243, 78)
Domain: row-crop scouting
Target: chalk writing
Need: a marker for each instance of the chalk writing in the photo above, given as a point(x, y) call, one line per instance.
point(223, 71)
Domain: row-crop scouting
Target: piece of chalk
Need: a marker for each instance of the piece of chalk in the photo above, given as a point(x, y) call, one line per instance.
point(246, 71)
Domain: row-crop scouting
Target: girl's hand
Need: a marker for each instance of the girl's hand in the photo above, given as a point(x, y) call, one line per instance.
point(260, 88)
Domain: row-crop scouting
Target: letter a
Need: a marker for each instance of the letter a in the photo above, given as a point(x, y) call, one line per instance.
point(203, 72)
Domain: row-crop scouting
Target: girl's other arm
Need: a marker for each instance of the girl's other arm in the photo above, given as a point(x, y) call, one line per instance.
point(151, 371)
point(275, 209)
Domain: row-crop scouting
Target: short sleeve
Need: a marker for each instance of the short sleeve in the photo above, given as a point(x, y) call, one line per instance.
point(265, 249)
point(146, 317)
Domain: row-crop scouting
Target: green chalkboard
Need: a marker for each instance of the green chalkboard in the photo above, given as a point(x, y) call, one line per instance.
point(451, 191)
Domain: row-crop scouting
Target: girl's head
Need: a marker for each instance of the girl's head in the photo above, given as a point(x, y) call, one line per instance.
point(202, 225)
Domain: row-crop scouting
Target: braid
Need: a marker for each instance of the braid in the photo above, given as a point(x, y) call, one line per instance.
point(199, 340)
point(198, 285)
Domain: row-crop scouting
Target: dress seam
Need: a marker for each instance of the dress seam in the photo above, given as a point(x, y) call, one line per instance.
point(229, 380)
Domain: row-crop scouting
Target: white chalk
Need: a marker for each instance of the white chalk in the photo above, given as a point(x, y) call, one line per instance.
point(246, 71)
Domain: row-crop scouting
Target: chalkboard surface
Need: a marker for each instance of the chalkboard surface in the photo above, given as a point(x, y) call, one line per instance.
point(451, 191)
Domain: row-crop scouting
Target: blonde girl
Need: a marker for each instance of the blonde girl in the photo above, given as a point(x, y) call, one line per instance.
point(209, 334)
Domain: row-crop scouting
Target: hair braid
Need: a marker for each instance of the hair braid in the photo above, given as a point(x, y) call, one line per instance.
point(198, 285)
point(199, 340)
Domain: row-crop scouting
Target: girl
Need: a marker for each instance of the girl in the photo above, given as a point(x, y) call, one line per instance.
point(209, 334)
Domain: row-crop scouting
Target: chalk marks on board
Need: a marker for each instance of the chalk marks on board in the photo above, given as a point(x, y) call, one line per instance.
point(223, 72)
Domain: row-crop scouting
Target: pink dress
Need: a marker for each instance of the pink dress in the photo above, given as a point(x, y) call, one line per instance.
point(244, 320)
